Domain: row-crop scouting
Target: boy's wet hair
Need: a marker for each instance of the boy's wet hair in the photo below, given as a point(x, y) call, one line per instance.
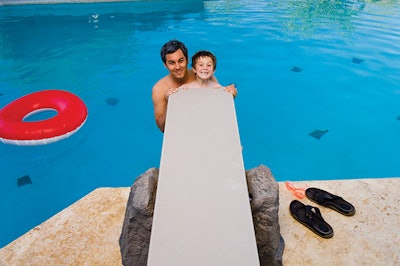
point(171, 47)
point(204, 53)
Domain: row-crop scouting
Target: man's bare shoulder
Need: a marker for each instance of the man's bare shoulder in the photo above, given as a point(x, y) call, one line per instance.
point(162, 85)
point(192, 76)
point(166, 83)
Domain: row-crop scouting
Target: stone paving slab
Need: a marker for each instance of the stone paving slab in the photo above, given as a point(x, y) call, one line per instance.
point(87, 232)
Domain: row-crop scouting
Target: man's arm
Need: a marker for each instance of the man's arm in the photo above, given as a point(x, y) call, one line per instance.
point(231, 88)
point(160, 106)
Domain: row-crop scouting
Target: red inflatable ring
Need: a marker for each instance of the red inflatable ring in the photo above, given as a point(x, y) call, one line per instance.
point(70, 117)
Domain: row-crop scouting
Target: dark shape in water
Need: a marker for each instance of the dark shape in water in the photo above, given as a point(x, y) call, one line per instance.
point(318, 133)
point(112, 101)
point(357, 60)
point(24, 180)
point(398, 118)
point(296, 69)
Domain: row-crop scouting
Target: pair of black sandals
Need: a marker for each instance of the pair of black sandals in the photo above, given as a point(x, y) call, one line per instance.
point(311, 216)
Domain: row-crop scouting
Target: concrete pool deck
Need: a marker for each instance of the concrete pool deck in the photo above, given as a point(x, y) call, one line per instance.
point(87, 232)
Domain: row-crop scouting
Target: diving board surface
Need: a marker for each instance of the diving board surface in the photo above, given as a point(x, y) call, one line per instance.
point(202, 213)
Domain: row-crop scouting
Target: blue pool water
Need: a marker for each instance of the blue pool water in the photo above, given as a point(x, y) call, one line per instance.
point(299, 66)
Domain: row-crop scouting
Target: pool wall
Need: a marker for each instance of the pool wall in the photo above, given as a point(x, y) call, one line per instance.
point(28, 2)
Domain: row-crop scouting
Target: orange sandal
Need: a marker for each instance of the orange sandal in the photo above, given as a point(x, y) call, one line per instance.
point(297, 192)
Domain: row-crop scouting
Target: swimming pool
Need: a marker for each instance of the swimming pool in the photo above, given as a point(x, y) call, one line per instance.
point(299, 66)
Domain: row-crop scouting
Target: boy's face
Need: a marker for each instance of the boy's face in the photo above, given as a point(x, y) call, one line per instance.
point(204, 67)
point(176, 64)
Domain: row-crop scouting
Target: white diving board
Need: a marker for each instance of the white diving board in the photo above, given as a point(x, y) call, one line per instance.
point(202, 213)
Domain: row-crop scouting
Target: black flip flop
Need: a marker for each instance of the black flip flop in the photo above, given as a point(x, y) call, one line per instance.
point(310, 217)
point(329, 200)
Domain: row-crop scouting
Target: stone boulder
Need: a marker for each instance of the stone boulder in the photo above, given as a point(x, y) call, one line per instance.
point(264, 196)
point(135, 235)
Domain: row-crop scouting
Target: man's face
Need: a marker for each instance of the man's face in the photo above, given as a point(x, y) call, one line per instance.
point(176, 64)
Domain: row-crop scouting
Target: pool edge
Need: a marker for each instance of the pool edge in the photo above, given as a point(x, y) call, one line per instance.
point(88, 230)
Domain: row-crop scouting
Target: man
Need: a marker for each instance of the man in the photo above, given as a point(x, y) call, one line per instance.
point(174, 55)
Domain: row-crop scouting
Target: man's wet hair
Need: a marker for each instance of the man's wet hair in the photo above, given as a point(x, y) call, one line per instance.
point(171, 47)
point(204, 53)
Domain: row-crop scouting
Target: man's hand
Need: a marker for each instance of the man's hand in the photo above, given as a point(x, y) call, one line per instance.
point(169, 92)
point(231, 89)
